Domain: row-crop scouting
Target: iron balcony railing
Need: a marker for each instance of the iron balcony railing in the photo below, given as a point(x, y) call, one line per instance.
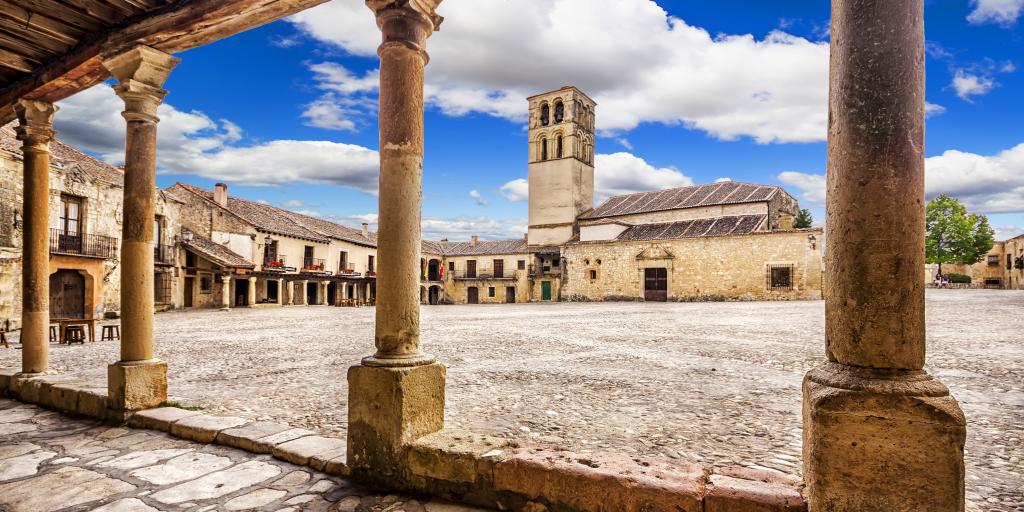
point(163, 254)
point(483, 273)
point(277, 263)
point(544, 270)
point(313, 264)
point(79, 244)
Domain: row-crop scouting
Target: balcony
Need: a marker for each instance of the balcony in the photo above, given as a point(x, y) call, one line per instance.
point(544, 270)
point(482, 274)
point(79, 244)
point(277, 264)
point(313, 265)
point(163, 254)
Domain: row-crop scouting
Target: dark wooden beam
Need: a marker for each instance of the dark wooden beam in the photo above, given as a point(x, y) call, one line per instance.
point(175, 27)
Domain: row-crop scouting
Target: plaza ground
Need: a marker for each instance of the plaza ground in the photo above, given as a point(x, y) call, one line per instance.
point(711, 382)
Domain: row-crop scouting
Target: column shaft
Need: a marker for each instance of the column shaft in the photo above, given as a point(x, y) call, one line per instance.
point(225, 292)
point(251, 298)
point(35, 122)
point(137, 241)
point(280, 291)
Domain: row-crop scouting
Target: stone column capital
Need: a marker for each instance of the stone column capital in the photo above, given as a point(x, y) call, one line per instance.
point(141, 72)
point(35, 124)
point(406, 23)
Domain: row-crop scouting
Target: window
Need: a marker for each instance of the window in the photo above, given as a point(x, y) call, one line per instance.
point(369, 263)
point(558, 152)
point(70, 214)
point(559, 112)
point(451, 266)
point(471, 268)
point(545, 113)
point(490, 292)
point(190, 259)
point(499, 269)
point(543, 149)
point(1009, 262)
point(554, 262)
point(162, 287)
point(780, 277)
point(593, 275)
point(205, 283)
point(993, 259)
point(521, 264)
point(342, 261)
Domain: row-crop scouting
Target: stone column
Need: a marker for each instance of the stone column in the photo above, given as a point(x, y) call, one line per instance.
point(35, 130)
point(291, 292)
point(280, 292)
point(251, 298)
point(225, 293)
point(138, 380)
point(397, 394)
point(879, 432)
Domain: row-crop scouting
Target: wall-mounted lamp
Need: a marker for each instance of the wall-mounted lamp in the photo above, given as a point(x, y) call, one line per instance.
point(186, 236)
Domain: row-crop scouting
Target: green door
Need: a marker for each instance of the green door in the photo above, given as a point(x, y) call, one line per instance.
point(545, 290)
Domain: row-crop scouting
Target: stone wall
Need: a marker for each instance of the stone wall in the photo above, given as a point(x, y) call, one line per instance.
point(712, 268)
point(11, 186)
point(986, 273)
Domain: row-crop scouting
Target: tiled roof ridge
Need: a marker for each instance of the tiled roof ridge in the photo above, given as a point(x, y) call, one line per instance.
point(690, 196)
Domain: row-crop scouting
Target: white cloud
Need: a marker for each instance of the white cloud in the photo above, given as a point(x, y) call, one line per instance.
point(968, 84)
point(1007, 231)
point(987, 184)
point(192, 143)
point(331, 76)
point(479, 198)
point(1008, 67)
point(812, 186)
point(933, 109)
point(723, 179)
point(624, 173)
point(1003, 12)
point(516, 190)
point(624, 142)
point(462, 228)
point(328, 114)
point(639, 63)
point(293, 203)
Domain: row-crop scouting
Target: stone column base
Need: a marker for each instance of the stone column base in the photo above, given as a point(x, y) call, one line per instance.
point(388, 408)
point(136, 385)
point(881, 440)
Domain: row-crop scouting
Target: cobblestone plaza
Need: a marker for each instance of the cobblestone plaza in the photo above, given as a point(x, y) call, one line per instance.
point(677, 380)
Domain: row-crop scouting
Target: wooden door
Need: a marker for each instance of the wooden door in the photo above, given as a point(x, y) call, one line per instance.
point(656, 284)
point(545, 290)
point(190, 283)
point(471, 268)
point(67, 294)
point(510, 294)
point(499, 268)
point(473, 295)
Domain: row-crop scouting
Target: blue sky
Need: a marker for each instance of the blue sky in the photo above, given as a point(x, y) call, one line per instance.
point(687, 92)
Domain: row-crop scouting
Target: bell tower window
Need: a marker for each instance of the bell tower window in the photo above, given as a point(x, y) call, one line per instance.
point(545, 114)
point(543, 149)
point(558, 144)
point(559, 112)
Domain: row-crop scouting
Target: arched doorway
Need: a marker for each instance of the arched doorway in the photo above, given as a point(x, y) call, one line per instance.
point(434, 270)
point(67, 294)
point(434, 295)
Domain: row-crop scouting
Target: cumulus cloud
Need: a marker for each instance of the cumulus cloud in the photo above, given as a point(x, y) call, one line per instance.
point(1002, 12)
point(723, 179)
point(624, 173)
point(772, 89)
point(329, 114)
point(984, 183)
point(968, 85)
point(812, 186)
point(624, 142)
point(933, 109)
point(516, 190)
point(462, 228)
point(478, 197)
point(193, 143)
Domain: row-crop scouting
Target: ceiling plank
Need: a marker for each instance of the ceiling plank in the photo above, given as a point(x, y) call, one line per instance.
point(23, 47)
point(40, 23)
point(43, 41)
point(62, 13)
point(15, 61)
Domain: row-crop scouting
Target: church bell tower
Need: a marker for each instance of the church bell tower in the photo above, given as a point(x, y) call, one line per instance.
point(561, 164)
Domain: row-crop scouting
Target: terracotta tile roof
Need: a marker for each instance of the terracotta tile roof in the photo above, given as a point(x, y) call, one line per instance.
point(482, 247)
point(728, 192)
point(719, 226)
point(64, 156)
point(215, 252)
point(272, 219)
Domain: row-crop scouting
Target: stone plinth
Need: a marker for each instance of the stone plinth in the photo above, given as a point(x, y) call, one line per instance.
point(896, 439)
point(389, 408)
point(136, 385)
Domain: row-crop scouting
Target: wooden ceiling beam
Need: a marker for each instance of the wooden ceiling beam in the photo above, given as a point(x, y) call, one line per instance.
point(40, 24)
point(17, 62)
point(174, 27)
point(63, 13)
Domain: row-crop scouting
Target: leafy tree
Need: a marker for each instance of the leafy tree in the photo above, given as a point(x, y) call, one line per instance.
point(803, 219)
point(953, 235)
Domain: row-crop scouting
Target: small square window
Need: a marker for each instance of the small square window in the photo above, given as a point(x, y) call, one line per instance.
point(780, 277)
point(593, 275)
point(205, 283)
point(521, 264)
point(490, 292)
point(993, 259)
point(451, 266)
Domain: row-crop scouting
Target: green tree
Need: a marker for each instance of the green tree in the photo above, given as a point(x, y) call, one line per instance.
point(803, 219)
point(953, 235)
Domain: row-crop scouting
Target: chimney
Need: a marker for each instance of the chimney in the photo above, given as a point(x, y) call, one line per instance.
point(220, 194)
point(473, 241)
point(366, 230)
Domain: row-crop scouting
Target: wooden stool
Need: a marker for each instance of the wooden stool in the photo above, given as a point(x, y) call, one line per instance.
point(54, 334)
point(111, 332)
point(75, 334)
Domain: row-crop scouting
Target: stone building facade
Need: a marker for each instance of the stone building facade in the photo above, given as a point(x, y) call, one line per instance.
point(1001, 268)
point(718, 241)
point(85, 221)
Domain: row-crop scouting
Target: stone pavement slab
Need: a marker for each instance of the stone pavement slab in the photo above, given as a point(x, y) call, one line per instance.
point(115, 469)
point(204, 427)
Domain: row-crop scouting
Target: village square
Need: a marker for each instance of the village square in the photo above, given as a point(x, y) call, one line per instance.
point(175, 336)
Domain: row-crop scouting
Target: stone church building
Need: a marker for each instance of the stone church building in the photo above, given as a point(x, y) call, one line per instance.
point(718, 241)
